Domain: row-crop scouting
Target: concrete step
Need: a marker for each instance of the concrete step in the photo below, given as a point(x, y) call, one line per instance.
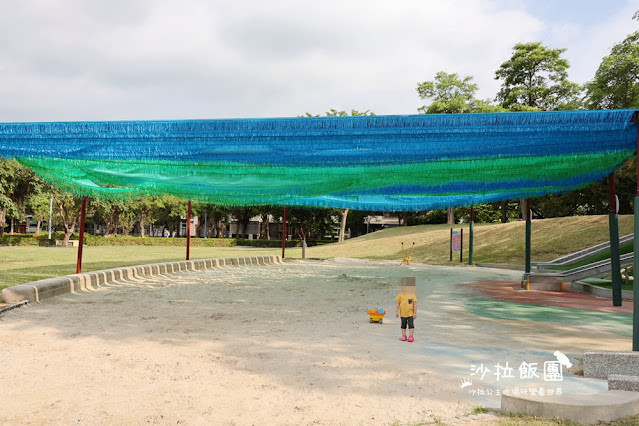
point(589, 409)
point(623, 382)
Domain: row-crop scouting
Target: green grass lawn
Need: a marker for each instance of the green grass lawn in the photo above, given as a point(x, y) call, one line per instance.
point(494, 243)
point(607, 283)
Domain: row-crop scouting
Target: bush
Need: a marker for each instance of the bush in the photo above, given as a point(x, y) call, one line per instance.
point(90, 240)
point(278, 243)
point(26, 240)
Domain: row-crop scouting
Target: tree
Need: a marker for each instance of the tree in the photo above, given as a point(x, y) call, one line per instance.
point(452, 94)
point(68, 207)
point(16, 183)
point(536, 77)
point(115, 214)
point(309, 221)
point(243, 216)
point(336, 113)
point(449, 93)
point(616, 82)
point(143, 209)
point(38, 205)
point(170, 211)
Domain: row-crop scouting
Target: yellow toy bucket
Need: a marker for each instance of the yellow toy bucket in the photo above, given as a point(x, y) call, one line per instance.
point(376, 316)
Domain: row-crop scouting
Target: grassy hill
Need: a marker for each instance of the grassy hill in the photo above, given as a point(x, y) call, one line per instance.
point(493, 243)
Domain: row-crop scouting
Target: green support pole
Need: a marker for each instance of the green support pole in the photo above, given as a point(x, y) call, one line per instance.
point(470, 237)
point(615, 262)
point(528, 237)
point(635, 287)
point(635, 305)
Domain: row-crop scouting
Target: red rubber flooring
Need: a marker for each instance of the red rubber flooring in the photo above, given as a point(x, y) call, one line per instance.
point(512, 292)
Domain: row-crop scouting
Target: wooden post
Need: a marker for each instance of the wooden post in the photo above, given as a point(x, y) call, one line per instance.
point(284, 234)
point(83, 214)
point(188, 232)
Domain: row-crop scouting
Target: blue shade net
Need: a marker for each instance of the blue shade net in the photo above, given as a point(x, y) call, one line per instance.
point(393, 163)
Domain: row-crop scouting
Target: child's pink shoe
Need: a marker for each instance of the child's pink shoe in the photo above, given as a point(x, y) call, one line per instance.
point(410, 338)
point(403, 338)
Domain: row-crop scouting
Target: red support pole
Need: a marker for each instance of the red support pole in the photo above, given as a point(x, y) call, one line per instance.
point(472, 214)
point(83, 214)
point(188, 232)
point(284, 234)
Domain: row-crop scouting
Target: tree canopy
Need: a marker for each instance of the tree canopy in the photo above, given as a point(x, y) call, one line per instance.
point(536, 77)
point(616, 82)
point(451, 93)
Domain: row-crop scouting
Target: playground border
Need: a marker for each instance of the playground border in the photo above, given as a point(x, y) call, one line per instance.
point(37, 291)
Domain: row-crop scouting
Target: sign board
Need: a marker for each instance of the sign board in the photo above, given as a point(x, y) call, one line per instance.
point(455, 241)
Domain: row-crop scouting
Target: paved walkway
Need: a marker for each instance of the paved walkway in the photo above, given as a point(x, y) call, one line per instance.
point(512, 292)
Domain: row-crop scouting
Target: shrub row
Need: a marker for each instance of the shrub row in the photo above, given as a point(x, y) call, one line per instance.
point(25, 240)
point(90, 240)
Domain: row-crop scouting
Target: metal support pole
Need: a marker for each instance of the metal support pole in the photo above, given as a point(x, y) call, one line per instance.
point(635, 305)
point(284, 234)
point(461, 245)
point(50, 213)
point(188, 232)
point(83, 214)
point(451, 244)
point(615, 261)
point(528, 237)
point(470, 236)
point(206, 227)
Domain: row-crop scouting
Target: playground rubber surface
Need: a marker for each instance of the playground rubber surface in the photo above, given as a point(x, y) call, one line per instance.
point(291, 344)
point(512, 292)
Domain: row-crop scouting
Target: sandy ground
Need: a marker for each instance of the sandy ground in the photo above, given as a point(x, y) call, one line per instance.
point(278, 344)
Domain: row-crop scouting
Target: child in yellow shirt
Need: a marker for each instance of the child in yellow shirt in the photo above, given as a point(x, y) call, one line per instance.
point(407, 307)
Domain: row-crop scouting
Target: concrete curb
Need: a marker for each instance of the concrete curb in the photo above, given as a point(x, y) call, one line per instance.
point(599, 291)
point(501, 266)
point(607, 406)
point(37, 291)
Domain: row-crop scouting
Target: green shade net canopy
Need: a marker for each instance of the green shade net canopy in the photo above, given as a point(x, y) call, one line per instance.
point(393, 163)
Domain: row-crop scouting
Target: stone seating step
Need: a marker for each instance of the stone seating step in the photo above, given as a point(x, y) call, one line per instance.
point(588, 409)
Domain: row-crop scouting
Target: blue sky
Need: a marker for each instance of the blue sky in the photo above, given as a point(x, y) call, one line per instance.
point(159, 59)
point(583, 12)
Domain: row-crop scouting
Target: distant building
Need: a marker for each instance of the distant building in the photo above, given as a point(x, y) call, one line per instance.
point(382, 220)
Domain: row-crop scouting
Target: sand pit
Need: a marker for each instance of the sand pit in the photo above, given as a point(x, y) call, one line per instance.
point(277, 344)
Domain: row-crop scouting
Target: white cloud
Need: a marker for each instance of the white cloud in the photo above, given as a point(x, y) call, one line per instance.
point(143, 59)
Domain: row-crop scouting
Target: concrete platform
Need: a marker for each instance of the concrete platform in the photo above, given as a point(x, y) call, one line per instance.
point(602, 364)
point(589, 409)
point(39, 290)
